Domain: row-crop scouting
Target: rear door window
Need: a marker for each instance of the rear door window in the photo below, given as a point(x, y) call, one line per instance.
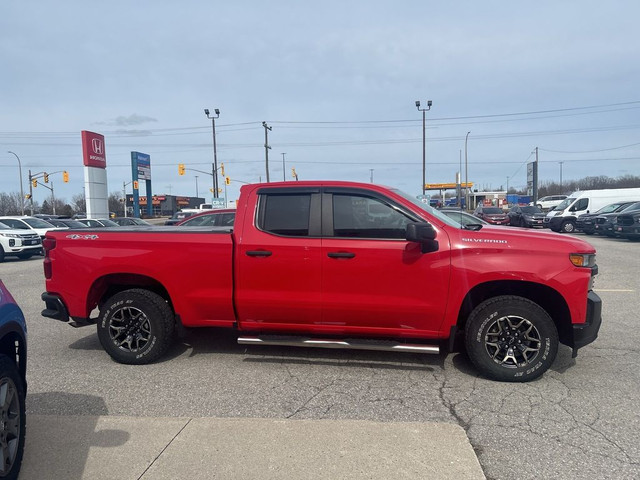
point(283, 214)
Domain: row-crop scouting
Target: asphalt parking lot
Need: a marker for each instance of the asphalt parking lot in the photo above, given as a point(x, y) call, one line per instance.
point(580, 420)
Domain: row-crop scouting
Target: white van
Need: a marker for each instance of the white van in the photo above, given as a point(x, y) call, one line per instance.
point(563, 217)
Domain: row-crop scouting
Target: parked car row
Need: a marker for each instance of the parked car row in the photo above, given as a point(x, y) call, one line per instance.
point(620, 219)
point(22, 236)
point(516, 216)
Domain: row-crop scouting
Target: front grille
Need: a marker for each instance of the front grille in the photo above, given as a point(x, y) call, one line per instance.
point(625, 220)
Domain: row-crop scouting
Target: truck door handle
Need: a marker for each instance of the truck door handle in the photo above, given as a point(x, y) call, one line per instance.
point(258, 253)
point(341, 255)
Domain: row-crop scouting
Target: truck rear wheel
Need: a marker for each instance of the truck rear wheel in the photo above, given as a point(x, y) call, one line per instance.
point(136, 326)
point(511, 339)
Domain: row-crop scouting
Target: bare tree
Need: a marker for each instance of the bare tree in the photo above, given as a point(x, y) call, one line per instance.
point(79, 203)
point(10, 204)
point(116, 203)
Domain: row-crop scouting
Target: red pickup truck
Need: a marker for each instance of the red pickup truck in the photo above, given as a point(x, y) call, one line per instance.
point(335, 265)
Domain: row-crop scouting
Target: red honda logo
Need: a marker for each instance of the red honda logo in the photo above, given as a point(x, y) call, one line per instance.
point(97, 145)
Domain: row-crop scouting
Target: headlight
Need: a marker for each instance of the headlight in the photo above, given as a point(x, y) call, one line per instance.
point(10, 235)
point(586, 260)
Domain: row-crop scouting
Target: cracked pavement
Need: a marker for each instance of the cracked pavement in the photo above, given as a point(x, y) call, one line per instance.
point(580, 420)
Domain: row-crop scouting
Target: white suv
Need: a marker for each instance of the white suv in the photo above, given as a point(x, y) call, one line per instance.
point(549, 202)
point(29, 225)
point(18, 243)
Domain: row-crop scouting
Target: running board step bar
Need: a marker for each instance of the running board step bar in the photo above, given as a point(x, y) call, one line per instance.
point(350, 344)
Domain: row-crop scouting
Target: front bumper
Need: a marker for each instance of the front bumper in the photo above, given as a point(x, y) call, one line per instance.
point(587, 332)
point(629, 231)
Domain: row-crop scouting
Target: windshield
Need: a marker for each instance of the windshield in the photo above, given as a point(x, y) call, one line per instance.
point(612, 208)
point(633, 206)
point(565, 203)
point(492, 211)
point(430, 210)
point(108, 223)
point(37, 223)
point(531, 210)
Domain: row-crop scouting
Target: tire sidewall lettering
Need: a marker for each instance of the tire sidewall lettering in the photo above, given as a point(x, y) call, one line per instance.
point(480, 334)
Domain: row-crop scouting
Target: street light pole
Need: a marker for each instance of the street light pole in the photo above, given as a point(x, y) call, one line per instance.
point(284, 179)
point(215, 153)
point(424, 141)
point(20, 172)
point(561, 175)
point(466, 173)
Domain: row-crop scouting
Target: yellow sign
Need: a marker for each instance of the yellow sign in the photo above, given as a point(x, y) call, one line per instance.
point(442, 186)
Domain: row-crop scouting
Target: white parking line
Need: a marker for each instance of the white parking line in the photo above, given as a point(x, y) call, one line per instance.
point(612, 290)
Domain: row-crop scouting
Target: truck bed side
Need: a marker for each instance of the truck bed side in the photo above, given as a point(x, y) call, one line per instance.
point(191, 268)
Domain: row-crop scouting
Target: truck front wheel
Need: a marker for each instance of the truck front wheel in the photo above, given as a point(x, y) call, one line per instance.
point(136, 326)
point(511, 339)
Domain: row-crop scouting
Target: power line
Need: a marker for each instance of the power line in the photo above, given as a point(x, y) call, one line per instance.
point(591, 151)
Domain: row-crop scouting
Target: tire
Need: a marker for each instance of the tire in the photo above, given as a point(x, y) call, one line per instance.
point(12, 419)
point(136, 326)
point(511, 339)
point(1, 254)
point(568, 226)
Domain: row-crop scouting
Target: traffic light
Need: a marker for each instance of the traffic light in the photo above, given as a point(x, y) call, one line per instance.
point(46, 178)
point(65, 176)
point(181, 169)
point(227, 180)
point(27, 196)
point(34, 182)
point(135, 185)
point(222, 170)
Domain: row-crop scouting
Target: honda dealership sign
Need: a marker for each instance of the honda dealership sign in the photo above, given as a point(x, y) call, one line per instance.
point(93, 150)
point(95, 174)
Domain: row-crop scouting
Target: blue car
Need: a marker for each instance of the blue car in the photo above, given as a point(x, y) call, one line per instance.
point(13, 384)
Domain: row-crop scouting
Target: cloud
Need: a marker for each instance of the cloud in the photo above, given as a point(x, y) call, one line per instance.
point(134, 133)
point(133, 119)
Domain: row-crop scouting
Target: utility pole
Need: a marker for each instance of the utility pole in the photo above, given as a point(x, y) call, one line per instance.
point(284, 175)
point(466, 173)
point(535, 179)
point(424, 142)
point(267, 128)
point(215, 153)
point(53, 199)
point(371, 172)
point(196, 185)
point(31, 192)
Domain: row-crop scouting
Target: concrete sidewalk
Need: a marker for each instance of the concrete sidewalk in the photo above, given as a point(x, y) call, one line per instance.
point(106, 447)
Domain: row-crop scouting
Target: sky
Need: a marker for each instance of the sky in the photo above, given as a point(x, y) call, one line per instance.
point(337, 83)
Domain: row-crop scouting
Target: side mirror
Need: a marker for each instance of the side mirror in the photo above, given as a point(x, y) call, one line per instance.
point(424, 234)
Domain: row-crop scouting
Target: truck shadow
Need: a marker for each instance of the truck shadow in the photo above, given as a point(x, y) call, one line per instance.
point(61, 429)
